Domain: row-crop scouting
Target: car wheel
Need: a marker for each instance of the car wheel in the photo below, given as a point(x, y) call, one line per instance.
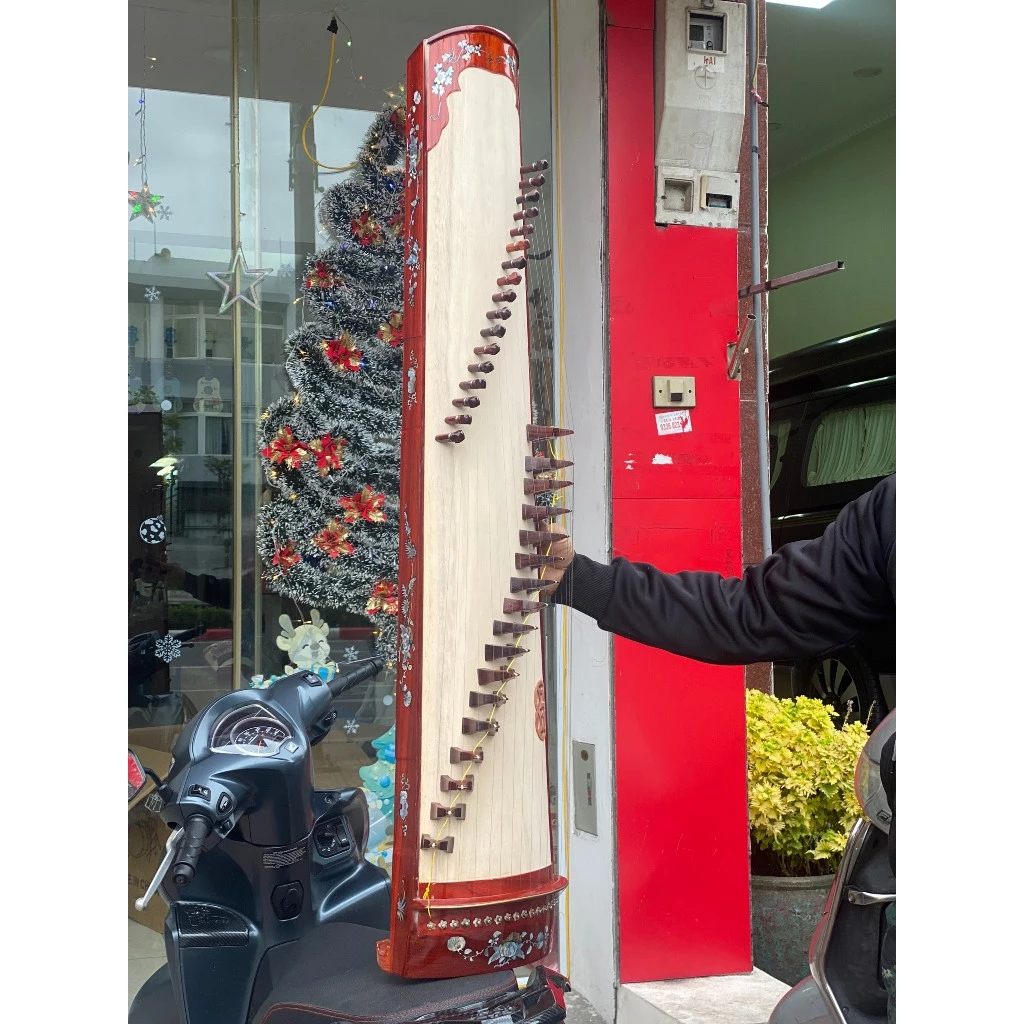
point(845, 681)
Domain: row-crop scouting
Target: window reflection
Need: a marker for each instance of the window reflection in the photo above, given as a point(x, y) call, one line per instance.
point(185, 356)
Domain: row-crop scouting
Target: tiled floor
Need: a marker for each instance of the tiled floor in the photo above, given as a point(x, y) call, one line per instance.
point(145, 955)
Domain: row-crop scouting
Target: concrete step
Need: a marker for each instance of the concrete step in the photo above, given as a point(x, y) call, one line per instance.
point(729, 999)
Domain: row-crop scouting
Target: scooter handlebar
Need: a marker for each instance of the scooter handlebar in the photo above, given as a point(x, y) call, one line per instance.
point(197, 830)
point(367, 670)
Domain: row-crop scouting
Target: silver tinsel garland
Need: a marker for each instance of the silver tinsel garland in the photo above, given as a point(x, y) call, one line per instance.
point(352, 289)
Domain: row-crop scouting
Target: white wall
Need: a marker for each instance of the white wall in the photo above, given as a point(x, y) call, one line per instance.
point(590, 937)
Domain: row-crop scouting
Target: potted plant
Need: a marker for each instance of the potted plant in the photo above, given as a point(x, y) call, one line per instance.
point(802, 805)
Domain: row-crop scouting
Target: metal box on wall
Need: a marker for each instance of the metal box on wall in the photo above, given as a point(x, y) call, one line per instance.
point(700, 84)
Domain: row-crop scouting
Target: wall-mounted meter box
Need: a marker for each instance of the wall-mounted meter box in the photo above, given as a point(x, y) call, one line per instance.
point(700, 100)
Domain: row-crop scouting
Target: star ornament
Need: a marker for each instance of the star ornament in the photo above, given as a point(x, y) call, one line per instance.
point(233, 282)
point(143, 203)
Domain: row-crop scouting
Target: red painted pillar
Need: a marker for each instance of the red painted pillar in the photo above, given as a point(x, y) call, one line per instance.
point(683, 871)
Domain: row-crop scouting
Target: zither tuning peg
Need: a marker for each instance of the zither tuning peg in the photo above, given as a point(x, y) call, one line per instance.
point(515, 605)
point(524, 561)
point(532, 485)
point(535, 464)
point(538, 537)
point(500, 628)
point(536, 432)
point(537, 512)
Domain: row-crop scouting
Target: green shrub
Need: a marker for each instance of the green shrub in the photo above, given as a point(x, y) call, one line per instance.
point(800, 775)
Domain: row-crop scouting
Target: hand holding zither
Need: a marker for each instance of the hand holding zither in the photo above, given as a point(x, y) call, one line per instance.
point(562, 549)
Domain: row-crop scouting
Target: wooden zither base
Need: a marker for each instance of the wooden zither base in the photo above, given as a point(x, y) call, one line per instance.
point(459, 936)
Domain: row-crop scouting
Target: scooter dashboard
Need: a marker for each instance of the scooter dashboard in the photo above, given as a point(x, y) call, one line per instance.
point(252, 731)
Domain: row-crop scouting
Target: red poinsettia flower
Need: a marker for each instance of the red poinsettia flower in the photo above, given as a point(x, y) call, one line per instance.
point(286, 557)
point(342, 354)
point(333, 539)
point(366, 229)
point(327, 452)
point(367, 504)
point(321, 276)
point(285, 450)
point(383, 598)
point(392, 331)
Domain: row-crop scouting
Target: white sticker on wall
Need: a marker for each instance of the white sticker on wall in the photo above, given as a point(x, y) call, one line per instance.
point(675, 422)
point(661, 460)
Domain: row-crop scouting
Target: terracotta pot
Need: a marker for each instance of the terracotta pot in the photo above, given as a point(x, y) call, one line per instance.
point(783, 914)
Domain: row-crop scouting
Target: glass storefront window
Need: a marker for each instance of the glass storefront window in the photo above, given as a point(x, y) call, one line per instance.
point(200, 376)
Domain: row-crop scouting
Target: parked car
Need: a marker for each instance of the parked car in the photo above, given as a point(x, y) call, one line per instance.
point(832, 437)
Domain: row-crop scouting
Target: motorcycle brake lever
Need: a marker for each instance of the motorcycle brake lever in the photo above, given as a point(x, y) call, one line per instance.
point(173, 842)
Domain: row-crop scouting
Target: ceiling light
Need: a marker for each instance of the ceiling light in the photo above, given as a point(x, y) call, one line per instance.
point(867, 72)
point(815, 5)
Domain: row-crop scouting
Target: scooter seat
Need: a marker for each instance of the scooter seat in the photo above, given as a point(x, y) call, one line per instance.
point(335, 978)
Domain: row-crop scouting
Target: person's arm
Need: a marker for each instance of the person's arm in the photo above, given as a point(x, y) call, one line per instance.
point(805, 599)
point(209, 589)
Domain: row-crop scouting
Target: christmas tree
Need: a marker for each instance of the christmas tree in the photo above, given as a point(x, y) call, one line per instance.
point(379, 786)
point(329, 536)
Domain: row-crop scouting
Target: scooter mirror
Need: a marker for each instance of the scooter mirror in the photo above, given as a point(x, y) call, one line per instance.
point(136, 775)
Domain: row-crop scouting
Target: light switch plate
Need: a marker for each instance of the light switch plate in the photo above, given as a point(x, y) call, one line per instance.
point(584, 774)
point(674, 393)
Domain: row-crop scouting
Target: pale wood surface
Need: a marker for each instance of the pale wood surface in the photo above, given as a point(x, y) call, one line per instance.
point(473, 495)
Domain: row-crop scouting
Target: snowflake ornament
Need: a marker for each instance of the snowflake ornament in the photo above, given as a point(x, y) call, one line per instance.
point(350, 654)
point(164, 212)
point(168, 648)
point(351, 726)
point(152, 294)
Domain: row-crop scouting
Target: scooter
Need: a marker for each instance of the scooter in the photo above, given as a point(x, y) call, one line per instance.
point(273, 914)
point(848, 950)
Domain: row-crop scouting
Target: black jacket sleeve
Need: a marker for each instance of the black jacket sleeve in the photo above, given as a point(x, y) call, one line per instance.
point(807, 598)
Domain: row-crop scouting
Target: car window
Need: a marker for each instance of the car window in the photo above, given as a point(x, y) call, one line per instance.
point(854, 443)
point(778, 441)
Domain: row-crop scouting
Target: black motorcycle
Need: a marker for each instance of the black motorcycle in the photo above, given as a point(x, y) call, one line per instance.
point(274, 916)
